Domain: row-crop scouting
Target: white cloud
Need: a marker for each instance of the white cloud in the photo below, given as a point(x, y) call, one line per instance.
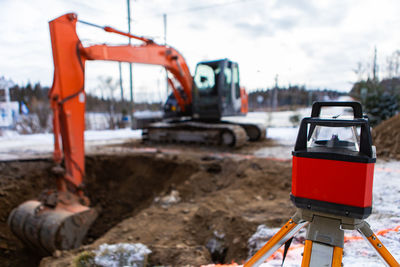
point(316, 43)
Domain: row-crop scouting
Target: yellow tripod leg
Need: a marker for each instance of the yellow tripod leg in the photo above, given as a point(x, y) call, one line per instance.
point(365, 230)
point(306, 254)
point(335, 253)
point(280, 238)
point(337, 257)
point(382, 251)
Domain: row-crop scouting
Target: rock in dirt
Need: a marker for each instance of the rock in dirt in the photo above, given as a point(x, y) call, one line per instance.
point(168, 200)
point(217, 247)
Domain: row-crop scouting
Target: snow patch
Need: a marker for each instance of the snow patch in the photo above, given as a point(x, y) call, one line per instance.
point(122, 254)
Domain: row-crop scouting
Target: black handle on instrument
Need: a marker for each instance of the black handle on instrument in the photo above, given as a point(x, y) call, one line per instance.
point(357, 109)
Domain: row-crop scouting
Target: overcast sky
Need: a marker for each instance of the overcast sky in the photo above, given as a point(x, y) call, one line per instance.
point(312, 43)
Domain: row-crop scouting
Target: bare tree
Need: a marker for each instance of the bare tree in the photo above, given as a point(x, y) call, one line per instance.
point(393, 64)
point(360, 71)
point(108, 88)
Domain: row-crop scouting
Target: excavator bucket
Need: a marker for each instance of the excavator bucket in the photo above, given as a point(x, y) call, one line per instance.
point(45, 229)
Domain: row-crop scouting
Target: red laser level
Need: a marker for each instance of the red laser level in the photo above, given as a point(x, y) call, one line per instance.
point(333, 165)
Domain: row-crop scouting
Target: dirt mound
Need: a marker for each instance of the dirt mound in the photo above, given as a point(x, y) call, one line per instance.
point(386, 137)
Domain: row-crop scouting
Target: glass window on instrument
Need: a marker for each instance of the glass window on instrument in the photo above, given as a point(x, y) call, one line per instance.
point(236, 80)
point(334, 137)
point(206, 77)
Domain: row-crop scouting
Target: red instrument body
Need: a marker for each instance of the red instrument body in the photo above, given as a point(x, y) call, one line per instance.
point(344, 183)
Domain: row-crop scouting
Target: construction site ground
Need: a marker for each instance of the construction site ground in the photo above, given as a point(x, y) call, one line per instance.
point(191, 205)
point(225, 192)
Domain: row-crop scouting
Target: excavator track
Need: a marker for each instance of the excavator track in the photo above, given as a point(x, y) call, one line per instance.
point(254, 132)
point(220, 134)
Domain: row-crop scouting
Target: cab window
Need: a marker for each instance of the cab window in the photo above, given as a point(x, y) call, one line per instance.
point(236, 80)
point(205, 77)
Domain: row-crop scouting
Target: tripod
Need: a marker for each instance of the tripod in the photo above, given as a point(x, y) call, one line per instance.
point(324, 239)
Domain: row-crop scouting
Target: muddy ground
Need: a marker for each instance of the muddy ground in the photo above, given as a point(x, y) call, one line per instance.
point(222, 197)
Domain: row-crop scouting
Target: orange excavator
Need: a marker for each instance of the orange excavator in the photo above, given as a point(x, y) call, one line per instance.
point(59, 219)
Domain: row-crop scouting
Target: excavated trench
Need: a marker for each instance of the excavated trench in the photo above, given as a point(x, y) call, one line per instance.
point(119, 185)
point(217, 205)
point(124, 185)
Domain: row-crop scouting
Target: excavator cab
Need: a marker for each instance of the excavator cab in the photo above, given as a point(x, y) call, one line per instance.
point(216, 90)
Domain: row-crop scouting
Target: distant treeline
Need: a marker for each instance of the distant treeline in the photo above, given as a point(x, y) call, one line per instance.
point(389, 86)
point(380, 98)
point(30, 95)
point(35, 97)
point(289, 97)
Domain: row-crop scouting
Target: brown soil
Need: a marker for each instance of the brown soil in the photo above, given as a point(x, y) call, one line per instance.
point(386, 137)
point(19, 181)
point(247, 148)
point(223, 197)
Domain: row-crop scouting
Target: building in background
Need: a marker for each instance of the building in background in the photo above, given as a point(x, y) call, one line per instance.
point(9, 110)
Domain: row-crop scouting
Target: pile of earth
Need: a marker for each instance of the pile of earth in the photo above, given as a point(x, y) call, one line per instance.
point(188, 210)
point(386, 138)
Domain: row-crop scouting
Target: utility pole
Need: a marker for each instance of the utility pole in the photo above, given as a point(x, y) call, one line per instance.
point(165, 43)
point(375, 67)
point(130, 65)
point(275, 94)
point(120, 82)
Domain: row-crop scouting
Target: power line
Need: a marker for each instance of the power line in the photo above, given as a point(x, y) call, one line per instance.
point(130, 65)
point(191, 9)
point(200, 8)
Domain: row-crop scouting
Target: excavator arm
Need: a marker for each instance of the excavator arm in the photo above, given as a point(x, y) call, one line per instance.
point(59, 219)
point(67, 95)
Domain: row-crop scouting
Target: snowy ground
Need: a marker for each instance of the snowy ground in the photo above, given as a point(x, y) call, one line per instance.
point(14, 146)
